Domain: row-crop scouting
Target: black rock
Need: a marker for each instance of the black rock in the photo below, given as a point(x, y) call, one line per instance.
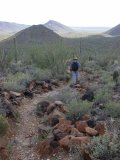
point(89, 95)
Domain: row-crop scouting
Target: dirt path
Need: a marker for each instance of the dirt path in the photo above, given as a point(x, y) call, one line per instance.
point(27, 133)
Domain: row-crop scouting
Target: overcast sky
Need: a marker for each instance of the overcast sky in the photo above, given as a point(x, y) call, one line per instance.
point(68, 12)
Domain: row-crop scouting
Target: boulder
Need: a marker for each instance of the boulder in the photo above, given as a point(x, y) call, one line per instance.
point(65, 142)
point(3, 149)
point(6, 95)
point(91, 123)
point(58, 134)
point(54, 121)
point(43, 131)
point(28, 93)
point(50, 108)
point(69, 141)
point(100, 128)
point(55, 114)
point(55, 82)
point(62, 109)
point(44, 148)
point(58, 103)
point(45, 86)
point(80, 140)
point(64, 121)
point(89, 95)
point(7, 109)
point(42, 107)
point(85, 117)
point(91, 131)
point(75, 132)
point(31, 85)
point(81, 125)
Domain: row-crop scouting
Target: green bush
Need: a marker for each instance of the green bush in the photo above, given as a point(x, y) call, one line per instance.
point(3, 125)
point(77, 109)
point(103, 94)
point(41, 74)
point(104, 148)
point(14, 82)
point(66, 95)
point(113, 109)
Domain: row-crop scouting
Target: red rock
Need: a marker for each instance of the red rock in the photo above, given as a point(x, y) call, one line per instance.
point(44, 148)
point(85, 117)
point(91, 131)
point(80, 140)
point(81, 125)
point(55, 114)
point(6, 95)
point(50, 108)
point(4, 154)
point(45, 90)
point(3, 150)
point(58, 103)
point(65, 128)
point(64, 121)
point(15, 94)
point(75, 132)
point(31, 85)
point(100, 128)
point(62, 109)
point(67, 141)
point(45, 86)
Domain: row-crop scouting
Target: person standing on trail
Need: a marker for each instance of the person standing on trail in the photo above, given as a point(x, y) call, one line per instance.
point(74, 68)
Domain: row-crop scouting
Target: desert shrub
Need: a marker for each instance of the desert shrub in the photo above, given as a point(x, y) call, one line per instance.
point(103, 95)
point(17, 82)
point(66, 95)
point(105, 76)
point(5, 59)
point(52, 58)
point(3, 125)
point(113, 109)
point(91, 65)
point(104, 147)
point(41, 74)
point(75, 152)
point(78, 108)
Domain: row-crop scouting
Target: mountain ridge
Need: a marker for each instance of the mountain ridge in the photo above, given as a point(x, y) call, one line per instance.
point(58, 27)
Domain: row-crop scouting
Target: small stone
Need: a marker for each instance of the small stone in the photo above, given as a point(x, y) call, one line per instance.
point(58, 103)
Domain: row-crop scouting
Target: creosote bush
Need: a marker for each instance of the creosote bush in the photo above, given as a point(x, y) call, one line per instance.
point(78, 108)
point(104, 148)
point(17, 82)
point(113, 109)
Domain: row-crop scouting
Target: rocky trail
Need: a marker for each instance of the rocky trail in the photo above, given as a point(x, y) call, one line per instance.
point(24, 141)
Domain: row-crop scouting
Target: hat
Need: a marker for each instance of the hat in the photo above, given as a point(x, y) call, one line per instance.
point(75, 58)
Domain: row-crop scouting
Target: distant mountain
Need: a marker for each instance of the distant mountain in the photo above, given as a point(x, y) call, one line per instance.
point(92, 29)
point(34, 35)
point(115, 31)
point(7, 29)
point(11, 27)
point(58, 27)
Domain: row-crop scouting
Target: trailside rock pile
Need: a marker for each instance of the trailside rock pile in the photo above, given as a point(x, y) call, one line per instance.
point(57, 132)
point(10, 100)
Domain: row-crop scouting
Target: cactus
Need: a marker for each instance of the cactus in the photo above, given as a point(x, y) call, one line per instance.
point(115, 76)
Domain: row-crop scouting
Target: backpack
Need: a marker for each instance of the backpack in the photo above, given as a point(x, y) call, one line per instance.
point(74, 66)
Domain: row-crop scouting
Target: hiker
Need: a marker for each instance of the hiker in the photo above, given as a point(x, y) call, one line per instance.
point(74, 68)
